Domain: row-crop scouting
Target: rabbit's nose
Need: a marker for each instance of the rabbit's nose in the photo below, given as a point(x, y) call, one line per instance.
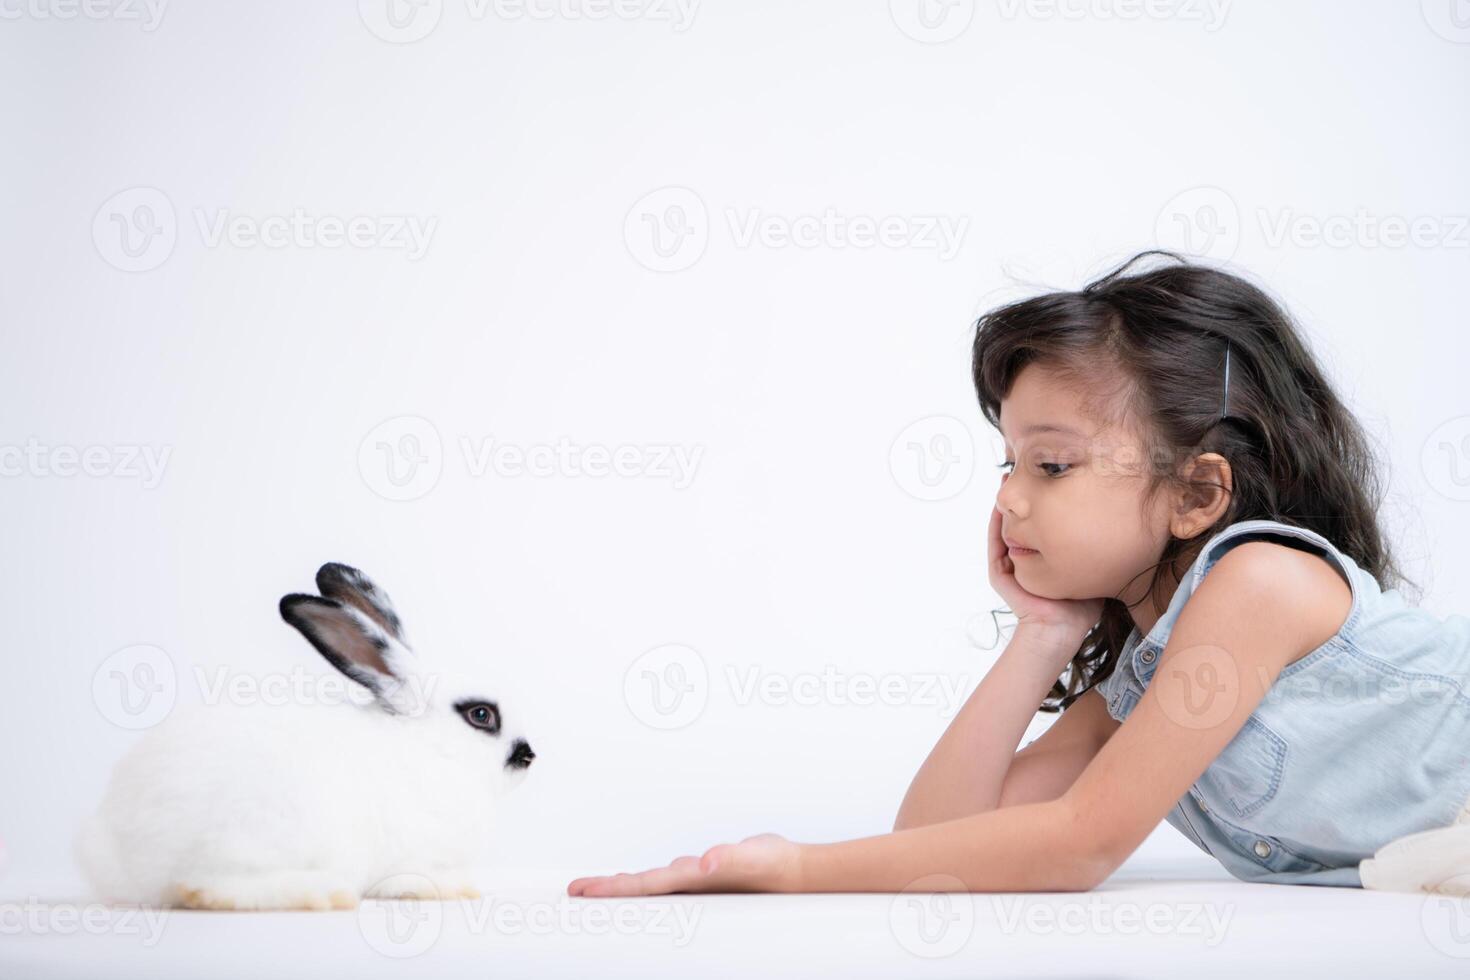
point(520, 755)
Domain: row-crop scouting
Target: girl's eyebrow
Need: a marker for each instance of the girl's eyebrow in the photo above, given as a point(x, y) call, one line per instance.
point(1050, 427)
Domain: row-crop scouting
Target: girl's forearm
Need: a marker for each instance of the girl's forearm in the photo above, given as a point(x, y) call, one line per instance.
point(966, 769)
point(1029, 847)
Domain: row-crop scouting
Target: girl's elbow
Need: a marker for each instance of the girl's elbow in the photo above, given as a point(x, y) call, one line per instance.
point(1093, 869)
point(1092, 858)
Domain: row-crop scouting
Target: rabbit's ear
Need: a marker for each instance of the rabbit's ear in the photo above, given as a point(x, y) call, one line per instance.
point(358, 647)
point(352, 588)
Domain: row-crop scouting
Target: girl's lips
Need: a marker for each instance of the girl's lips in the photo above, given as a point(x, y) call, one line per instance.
point(1015, 550)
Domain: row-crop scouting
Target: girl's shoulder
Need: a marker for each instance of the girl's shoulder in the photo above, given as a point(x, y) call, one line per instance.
point(1291, 578)
point(1285, 556)
point(1297, 560)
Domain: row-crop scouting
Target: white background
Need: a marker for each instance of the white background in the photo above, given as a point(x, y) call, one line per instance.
point(1063, 140)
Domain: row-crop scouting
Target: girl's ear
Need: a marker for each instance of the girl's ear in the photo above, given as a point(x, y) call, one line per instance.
point(1206, 498)
point(358, 647)
point(352, 588)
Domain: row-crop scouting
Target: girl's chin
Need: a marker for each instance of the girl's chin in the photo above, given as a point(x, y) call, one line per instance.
point(1039, 587)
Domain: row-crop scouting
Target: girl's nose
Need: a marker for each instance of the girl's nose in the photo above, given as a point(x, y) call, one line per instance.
point(1009, 499)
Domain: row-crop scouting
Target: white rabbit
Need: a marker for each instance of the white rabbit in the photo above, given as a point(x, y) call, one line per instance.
point(313, 805)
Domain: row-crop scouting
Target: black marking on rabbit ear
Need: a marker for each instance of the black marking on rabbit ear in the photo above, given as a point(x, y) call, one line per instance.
point(348, 640)
point(350, 586)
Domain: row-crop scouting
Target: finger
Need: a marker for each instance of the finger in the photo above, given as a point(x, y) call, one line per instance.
point(581, 886)
point(999, 555)
point(680, 874)
point(595, 883)
point(657, 881)
point(600, 885)
point(719, 856)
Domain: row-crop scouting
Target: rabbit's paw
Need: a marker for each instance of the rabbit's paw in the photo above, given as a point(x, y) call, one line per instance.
point(441, 886)
point(277, 891)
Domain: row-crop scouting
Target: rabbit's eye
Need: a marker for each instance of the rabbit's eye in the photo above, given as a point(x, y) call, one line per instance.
point(482, 715)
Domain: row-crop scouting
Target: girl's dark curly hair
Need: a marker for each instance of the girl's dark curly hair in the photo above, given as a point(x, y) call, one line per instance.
point(1152, 345)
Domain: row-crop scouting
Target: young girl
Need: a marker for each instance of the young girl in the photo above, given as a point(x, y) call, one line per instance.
point(1187, 534)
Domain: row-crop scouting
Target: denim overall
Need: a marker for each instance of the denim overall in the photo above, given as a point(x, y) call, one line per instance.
point(1362, 741)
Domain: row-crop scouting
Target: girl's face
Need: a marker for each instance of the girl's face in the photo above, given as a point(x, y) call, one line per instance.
point(1075, 493)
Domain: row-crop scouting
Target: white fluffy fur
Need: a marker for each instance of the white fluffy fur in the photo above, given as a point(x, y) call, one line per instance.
point(302, 805)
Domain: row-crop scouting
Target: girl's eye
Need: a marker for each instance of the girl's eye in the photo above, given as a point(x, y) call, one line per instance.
point(1059, 468)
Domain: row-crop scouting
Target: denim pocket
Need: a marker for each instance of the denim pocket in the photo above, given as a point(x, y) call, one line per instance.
point(1247, 773)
